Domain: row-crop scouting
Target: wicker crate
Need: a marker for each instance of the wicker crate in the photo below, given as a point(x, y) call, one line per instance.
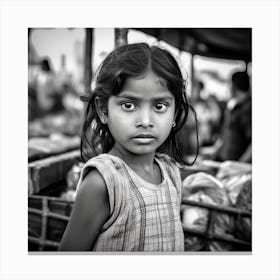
point(47, 220)
point(48, 217)
point(48, 171)
point(209, 236)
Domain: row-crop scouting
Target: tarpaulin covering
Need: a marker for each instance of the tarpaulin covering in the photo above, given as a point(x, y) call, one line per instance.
point(227, 43)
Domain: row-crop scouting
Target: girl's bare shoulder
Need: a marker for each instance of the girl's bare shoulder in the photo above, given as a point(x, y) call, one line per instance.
point(92, 184)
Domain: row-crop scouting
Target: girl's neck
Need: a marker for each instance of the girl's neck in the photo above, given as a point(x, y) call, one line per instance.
point(134, 161)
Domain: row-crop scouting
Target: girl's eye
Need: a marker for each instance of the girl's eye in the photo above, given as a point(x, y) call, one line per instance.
point(128, 106)
point(160, 107)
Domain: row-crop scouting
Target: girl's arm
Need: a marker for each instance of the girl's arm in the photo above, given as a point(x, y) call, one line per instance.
point(90, 212)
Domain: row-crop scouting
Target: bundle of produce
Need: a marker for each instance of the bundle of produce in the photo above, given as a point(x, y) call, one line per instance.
point(65, 123)
point(72, 179)
point(243, 225)
point(234, 175)
point(38, 128)
point(205, 189)
point(206, 166)
point(56, 143)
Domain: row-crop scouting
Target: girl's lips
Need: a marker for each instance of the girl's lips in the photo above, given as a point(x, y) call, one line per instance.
point(144, 136)
point(143, 140)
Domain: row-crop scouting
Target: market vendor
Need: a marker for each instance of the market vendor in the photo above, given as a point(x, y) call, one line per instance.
point(49, 98)
point(235, 142)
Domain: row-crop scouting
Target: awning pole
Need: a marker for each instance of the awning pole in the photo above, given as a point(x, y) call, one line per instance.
point(89, 40)
point(120, 36)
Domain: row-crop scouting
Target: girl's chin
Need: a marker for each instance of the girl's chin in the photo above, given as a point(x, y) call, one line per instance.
point(139, 147)
point(143, 150)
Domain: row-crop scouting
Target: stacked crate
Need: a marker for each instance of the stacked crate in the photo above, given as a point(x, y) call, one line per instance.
point(47, 213)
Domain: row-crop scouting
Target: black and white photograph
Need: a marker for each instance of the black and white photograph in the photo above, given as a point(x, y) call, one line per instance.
point(139, 140)
point(142, 143)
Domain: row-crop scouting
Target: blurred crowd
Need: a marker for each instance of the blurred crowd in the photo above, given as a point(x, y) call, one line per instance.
point(53, 100)
point(224, 126)
point(51, 92)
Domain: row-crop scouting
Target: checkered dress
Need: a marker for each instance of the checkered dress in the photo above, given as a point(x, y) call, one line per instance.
point(143, 216)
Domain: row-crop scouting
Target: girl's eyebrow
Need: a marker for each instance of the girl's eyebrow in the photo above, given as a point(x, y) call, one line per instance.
point(131, 97)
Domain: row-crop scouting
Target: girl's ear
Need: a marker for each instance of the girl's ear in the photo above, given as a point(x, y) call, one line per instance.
point(101, 110)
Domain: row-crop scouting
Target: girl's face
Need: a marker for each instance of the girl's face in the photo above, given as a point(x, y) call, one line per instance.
point(140, 118)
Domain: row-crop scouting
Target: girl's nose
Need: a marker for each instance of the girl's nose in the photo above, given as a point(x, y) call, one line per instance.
point(144, 119)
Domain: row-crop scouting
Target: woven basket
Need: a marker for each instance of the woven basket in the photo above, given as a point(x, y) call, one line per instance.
point(204, 240)
point(48, 217)
point(47, 220)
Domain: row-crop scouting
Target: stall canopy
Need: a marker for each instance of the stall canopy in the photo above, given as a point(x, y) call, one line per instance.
point(226, 43)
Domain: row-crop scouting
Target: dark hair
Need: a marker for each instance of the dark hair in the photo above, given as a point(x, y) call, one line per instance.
point(126, 61)
point(241, 81)
point(201, 85)
point(45, 65)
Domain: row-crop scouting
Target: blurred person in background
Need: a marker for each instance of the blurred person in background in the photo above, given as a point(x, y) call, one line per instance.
point(33, 68)
point(203, 113)
point(209, 115)
point(236, 136)
point(49, 97)
point(216, 116)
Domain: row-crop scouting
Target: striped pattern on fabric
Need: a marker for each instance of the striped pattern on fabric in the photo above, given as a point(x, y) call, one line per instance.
point(143, 216)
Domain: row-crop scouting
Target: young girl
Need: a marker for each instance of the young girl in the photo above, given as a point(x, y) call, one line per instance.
point(129, 196)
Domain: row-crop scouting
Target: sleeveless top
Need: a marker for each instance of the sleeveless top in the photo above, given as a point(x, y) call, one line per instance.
point(143, 216)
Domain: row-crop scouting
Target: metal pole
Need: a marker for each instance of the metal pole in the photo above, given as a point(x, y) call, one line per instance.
point(120, 36)
point(88, 59)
